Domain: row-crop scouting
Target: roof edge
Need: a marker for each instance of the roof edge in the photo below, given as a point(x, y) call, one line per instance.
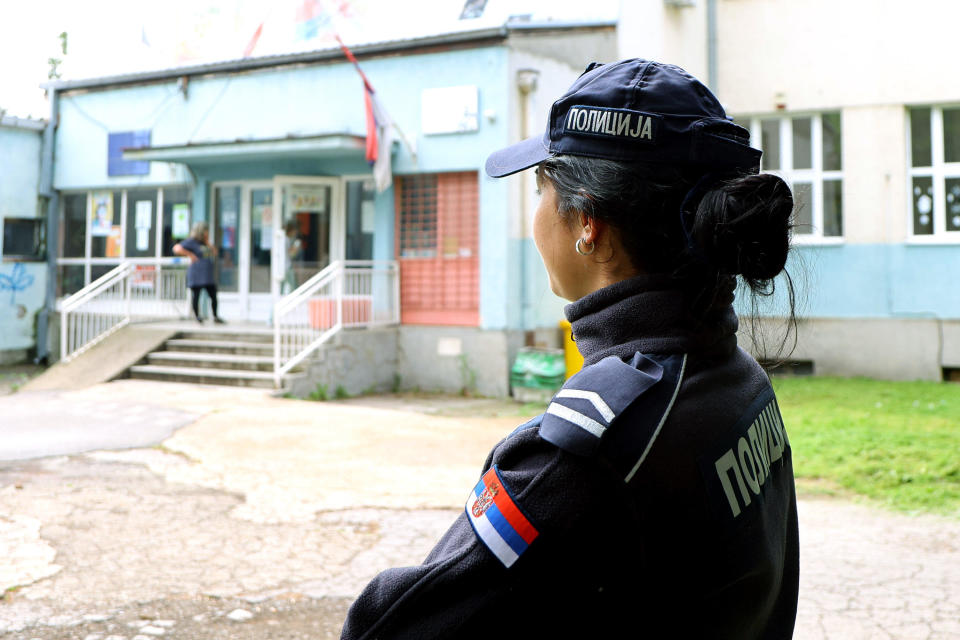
point(23, 123)
point(321, 55)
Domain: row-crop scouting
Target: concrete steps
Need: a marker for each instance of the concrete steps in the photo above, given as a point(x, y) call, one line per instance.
point(198, 375)
point(219, 355)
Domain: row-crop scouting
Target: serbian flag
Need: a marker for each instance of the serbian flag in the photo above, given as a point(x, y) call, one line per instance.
point(379, 129)
point(497, 519)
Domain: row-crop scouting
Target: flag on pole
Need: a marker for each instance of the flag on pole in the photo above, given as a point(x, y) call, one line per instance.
point(379, 128)
point(253, 41)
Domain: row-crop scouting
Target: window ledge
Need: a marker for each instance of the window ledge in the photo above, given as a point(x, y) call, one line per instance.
point(920, 241)
point(806, 240)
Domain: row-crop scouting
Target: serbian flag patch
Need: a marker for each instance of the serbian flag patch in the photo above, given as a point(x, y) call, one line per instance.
point(497, 519)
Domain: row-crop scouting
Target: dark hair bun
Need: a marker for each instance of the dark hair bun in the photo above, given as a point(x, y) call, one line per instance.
point(742, 226)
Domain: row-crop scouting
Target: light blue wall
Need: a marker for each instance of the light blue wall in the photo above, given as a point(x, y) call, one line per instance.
point(871, 281)
point(22, 284)
point(21, 297)
point(19, 171)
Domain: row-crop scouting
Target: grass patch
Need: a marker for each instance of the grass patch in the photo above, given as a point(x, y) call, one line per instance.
point(897, 443)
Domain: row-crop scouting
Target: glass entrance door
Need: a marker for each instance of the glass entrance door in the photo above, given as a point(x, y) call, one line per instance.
point(242, 231)
point(308, 231)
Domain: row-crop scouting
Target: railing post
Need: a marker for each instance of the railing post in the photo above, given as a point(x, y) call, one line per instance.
point(276, 345)
point(338, 289)
point(64, 319)
point(126, 288)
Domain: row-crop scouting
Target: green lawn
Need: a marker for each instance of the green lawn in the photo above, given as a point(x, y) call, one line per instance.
point(897, 443)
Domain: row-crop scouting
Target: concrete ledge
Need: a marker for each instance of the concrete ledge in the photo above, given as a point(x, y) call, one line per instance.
point(884, 348)
point(104, 361)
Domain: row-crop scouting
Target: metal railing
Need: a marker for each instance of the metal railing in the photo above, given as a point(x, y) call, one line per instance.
point(351, 293)
point(111, 301)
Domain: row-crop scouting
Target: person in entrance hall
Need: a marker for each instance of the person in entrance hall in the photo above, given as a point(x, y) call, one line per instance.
point(200, 276)
point(654, 498)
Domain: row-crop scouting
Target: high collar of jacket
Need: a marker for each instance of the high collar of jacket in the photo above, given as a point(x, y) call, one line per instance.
point(650, 314)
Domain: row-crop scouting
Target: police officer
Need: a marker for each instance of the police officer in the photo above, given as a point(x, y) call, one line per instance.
point(655, 496)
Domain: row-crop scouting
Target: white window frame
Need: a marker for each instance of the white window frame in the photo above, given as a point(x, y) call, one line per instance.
point(938, 171)
point(87, 261)
point(815, 175)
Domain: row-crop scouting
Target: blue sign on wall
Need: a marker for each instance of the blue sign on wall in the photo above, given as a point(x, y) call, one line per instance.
point(116, 143)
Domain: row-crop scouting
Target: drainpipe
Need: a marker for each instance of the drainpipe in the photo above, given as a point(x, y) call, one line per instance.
point(712, 45)
point(52, 198)
point(527, 83)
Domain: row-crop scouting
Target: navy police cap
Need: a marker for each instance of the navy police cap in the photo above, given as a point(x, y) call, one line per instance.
point(636, 111)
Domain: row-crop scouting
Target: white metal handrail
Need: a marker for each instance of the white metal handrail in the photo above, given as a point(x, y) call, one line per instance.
point(351, 293)
point(110, 302)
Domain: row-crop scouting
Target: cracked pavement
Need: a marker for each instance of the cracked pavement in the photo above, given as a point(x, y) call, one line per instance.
point(264, 517)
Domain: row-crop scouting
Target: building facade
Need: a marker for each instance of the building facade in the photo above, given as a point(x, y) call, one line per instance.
point(868, 137)
point(854, 105)
point(23, 272)
point(260, 148)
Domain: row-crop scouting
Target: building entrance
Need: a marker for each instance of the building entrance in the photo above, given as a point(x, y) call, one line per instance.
point(272, 236)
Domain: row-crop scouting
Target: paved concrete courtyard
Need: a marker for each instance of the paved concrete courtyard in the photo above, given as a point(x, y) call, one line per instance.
point(227, 513)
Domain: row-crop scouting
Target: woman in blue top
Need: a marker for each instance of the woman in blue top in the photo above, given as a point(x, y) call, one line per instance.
point(200, 274)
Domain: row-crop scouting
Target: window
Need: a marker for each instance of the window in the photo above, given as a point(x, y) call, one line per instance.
point(437, 246)
point(934, 180)
point(99, 229)
point(807, 152)
point(24, 239)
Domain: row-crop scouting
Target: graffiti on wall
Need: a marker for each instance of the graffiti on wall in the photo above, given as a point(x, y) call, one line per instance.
point(16, 282)
point(22, 287)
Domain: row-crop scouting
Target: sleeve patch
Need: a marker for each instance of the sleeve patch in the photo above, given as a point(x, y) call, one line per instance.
point(497, 519)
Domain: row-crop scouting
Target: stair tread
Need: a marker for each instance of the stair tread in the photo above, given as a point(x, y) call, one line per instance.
point(197, 372)
point(190, 342)
point(199, 356)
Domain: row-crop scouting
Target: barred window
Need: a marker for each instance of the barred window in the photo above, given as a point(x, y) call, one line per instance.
point(438, 248)
point(418, 217)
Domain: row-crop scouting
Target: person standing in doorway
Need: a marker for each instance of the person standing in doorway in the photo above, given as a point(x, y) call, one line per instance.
point(200, 272)
point(294, 251)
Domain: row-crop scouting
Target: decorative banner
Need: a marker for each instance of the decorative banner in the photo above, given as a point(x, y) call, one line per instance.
point(101, 216)
point(181, 221)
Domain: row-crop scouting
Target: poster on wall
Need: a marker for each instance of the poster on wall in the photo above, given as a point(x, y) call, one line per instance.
point(101, 216)
point(181, 221)
point(449, 110)
point(367, 217)
point(113, 242)
point(264, 213)
point(308, 199)
point(144, 210)
point(143, 239)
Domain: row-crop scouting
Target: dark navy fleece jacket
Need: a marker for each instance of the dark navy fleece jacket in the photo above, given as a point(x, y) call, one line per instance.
point(654, 498)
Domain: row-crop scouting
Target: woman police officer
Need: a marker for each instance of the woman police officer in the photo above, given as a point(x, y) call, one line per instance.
point(655, 496)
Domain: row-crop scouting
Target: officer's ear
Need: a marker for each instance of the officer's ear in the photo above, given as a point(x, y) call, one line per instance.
point(592, 229)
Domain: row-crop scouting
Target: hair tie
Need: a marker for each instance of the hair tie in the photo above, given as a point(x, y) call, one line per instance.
point(704, 184)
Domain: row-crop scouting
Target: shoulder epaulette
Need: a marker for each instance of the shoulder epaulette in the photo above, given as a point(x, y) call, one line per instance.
point(588, 405)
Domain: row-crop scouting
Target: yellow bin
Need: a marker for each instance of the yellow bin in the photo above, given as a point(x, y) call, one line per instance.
point(571, 355)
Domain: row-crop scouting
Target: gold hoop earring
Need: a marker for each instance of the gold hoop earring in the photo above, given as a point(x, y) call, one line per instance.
point(580, 250)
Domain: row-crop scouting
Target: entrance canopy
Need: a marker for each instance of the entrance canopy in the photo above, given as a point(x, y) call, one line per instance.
point(334, 145)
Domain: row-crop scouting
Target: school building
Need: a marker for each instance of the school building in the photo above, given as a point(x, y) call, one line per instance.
point(440, 267)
